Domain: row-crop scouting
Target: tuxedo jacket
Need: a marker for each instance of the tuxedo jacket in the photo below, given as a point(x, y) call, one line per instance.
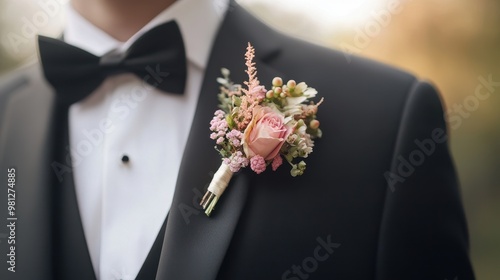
point(379, 199)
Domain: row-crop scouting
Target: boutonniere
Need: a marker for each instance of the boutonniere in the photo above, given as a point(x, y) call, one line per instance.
point(257, 127)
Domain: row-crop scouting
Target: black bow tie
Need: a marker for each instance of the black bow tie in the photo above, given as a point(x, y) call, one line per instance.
point(157, 57)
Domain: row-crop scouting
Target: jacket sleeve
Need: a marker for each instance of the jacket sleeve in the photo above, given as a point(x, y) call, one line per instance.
point(423, 231)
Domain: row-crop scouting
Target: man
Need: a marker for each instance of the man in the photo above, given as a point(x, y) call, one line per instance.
point(110, 169)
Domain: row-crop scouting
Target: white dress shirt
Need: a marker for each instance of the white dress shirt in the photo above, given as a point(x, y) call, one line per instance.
point(124, 204)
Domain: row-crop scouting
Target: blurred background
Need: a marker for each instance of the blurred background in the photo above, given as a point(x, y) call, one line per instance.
point(453, 43)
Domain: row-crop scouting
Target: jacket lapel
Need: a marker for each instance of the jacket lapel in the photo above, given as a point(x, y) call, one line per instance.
point(25, 138)
point(195, 245)
point(34, 137)
point(70, 248)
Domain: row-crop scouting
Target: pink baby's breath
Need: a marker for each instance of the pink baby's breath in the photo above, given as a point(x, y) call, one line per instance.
point(258, 164)
point(277, 161)
point(236, 161)
point(234, 137)
point(218, 125)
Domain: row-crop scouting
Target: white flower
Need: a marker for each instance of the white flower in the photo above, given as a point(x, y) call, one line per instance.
point(292, 101)
point(304, 93)
point(310, 92)
point(300, 87)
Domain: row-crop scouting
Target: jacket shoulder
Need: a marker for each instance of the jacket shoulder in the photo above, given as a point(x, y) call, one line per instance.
point(24, 90)
point(324, 61)
point(19, 78)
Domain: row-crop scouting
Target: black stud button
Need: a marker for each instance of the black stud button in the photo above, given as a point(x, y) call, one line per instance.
point(125, 159)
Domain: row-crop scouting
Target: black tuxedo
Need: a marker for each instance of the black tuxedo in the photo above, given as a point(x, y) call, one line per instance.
point(341, 220)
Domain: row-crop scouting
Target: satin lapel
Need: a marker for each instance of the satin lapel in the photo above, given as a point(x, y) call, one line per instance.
point(25, 138)
point(195, 245)
point(49, 236)
point(71, 254)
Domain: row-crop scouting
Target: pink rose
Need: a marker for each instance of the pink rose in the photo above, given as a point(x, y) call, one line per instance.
point(265, 134)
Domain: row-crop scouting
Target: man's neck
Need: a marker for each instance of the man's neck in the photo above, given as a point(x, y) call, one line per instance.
point(120, 18)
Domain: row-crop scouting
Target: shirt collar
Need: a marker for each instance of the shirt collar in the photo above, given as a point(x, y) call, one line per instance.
point(197, 20)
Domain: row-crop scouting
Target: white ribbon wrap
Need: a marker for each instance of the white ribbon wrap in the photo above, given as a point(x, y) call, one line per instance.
point(221, 180)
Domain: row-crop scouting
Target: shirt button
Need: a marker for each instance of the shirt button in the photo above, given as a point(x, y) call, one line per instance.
point(125, 159)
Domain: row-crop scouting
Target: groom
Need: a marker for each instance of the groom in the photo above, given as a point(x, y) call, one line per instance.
point(108, 136)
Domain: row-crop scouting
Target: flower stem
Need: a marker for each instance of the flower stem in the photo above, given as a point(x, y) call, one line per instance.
point(216, 188)
point(211, 206)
